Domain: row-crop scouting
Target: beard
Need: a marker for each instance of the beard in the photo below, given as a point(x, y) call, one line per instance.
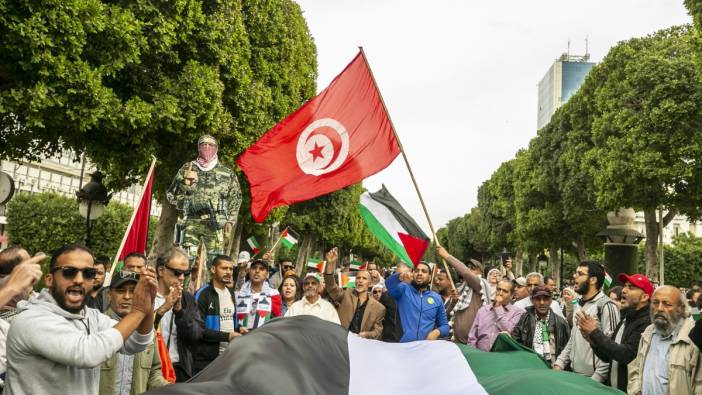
point(60, 299)
point(97, 287)
point(665, 323)
point(310, 293)
point(582, 288)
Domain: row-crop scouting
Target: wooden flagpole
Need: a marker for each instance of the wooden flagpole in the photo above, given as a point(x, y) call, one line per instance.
point(131, 220)
point(404, 156)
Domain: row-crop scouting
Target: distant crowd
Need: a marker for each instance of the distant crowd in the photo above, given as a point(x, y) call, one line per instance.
point(147, 327)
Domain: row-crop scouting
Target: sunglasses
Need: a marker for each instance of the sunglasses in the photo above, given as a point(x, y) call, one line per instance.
point(177, 272)
point(70, 272)
point(287, 267)
point(377, 292)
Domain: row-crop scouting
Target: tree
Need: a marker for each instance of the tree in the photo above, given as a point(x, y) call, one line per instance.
point(646, 130)
point(120, 81)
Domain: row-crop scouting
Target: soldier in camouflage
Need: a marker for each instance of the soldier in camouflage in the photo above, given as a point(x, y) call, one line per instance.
point(208, 194)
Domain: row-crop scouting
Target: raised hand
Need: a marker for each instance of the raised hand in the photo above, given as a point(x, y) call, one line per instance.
point(332, 256)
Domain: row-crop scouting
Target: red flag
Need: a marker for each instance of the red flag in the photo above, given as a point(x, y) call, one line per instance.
point(336, 139)
point(135, 238)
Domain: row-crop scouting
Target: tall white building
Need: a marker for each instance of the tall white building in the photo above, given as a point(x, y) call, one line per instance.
point(560, 82)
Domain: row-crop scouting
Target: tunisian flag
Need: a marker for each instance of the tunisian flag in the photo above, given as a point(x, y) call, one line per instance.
point(336, 139)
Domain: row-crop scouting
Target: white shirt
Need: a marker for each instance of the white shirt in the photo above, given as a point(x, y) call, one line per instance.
point(321, 309)
point(526, 302)
point(226, 314)
point(170, 337)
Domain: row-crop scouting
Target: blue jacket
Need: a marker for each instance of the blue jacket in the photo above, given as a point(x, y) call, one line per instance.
point(420, 313)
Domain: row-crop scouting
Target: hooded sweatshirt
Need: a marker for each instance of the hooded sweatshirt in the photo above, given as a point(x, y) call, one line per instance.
point(53, 351)
point(578, 352)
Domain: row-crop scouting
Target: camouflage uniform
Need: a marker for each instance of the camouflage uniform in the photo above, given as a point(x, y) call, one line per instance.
point(207, 205)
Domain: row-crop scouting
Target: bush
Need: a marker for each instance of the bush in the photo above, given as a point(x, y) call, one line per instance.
point(46, 221)
point(682, 259)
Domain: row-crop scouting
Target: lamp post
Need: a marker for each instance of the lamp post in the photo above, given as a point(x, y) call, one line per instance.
point(92, 199)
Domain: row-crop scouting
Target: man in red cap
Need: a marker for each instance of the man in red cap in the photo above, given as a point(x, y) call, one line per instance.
point(621, 348)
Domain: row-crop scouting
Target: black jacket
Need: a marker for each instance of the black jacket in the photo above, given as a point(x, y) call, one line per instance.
point(190, 330)
point(696, 334)
point(607, 349)
point(208, 306)
point(523, 332)
point(392, 327)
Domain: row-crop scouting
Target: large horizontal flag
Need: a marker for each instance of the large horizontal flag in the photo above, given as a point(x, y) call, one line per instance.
point(253, 244)
point(336, 139)
point(288, 238)
point(340, 362)
point(317, 264)
point(391, 224)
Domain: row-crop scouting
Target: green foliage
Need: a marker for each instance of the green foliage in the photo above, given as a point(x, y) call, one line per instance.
point(682, 261)
point(124, 80)
point(46, 221)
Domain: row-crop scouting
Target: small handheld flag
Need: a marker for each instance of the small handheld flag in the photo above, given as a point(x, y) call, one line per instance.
point(347, 281)
point(357, 265)
point(287, 238)
point(317, 264)
point(253, 244)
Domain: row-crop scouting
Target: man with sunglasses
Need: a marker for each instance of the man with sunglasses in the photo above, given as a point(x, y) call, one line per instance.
point(177, 315)
point(56, 344)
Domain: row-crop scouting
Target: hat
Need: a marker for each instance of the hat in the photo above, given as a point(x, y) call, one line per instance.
point(476, 264)
point(521, 281)
point(207, 139)
point(541, 290)
point(259, 262)
point(122, 277)
point(637, 280)
point(314, 276)
point(244, 256)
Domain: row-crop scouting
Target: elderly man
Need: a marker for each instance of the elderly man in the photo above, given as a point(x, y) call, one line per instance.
point(358, 311)
point(535, 279)
point(494, 318)
point(541, 330)
point(312, 303)
point(667, 361)
point(620, 348)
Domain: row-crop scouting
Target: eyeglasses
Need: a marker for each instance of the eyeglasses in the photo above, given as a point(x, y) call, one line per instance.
point(177, 272)
point(377, 292)
point(70, 272)
point(286, 267)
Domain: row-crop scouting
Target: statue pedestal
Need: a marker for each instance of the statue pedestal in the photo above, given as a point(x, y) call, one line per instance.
point(620, 258)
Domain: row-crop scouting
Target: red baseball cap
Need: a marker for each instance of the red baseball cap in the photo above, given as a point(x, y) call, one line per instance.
point(637, 280)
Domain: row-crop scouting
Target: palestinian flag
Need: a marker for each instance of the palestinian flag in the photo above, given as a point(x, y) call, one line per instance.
point(253, 244)
point(347, 281)
point(357, 265)
point(607, 280)
point(287, 238)
point(316, 264)
point(391, 224)
point(335, 361)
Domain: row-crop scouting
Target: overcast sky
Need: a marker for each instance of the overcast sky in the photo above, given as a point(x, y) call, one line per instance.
point(460, 77)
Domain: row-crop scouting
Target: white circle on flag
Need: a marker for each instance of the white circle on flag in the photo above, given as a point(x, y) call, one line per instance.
point(316, 153)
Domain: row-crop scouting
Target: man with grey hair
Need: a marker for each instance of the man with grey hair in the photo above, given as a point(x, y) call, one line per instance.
point(667, 361)
point(535, 279)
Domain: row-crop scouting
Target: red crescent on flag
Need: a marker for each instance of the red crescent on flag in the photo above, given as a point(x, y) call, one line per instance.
point(335, 139)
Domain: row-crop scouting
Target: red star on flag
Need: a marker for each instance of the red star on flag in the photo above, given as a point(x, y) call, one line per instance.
point(316, 152)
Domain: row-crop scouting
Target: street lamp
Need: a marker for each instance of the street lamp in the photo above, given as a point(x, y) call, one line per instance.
point(92, 199)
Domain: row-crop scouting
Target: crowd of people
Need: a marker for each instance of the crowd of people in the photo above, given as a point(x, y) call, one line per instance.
point(148, 326)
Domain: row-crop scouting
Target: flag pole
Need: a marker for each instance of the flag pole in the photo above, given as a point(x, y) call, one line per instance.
point(404, 156)
point(131, 220)
point(274, 244)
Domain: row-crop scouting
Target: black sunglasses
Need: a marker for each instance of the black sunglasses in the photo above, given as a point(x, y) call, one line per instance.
point(377, 292)
point(70, 272)
point(177, 272)
point(287, 267)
